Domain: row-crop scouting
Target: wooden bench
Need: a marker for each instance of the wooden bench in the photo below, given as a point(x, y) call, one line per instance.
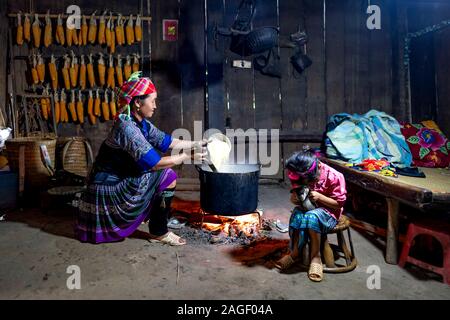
point(426, 194)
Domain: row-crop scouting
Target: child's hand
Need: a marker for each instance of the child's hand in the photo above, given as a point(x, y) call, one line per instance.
point(315, 196)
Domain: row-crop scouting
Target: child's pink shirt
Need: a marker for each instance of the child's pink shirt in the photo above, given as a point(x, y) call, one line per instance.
point(331, 183)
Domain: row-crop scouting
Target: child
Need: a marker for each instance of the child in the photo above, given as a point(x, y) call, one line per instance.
point(328, 193)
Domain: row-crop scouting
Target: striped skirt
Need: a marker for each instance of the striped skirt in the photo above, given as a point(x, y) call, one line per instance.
point(109, 213)
point(318, 220)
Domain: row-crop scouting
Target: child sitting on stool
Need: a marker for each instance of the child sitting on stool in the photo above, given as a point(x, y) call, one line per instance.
point(328, 192)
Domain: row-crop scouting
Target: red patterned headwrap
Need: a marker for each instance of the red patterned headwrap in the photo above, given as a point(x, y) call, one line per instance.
point(133, 87)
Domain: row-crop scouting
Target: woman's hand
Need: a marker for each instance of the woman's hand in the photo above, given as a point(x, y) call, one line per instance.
point(315, 196)
point(198, 156)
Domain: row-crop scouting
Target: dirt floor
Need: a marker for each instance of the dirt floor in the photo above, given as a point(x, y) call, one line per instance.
point(36, 250)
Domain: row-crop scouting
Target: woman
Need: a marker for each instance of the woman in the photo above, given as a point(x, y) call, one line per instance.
point(130, 183)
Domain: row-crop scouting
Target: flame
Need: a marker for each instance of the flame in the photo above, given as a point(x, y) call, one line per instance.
point(227, 225)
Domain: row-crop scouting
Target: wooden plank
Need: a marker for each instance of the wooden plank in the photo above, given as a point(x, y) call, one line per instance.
point(356, 58)
point(215, 57)
point(380, 61)
point(267, 89)
point(315, 84)
point(335, 51)
point(293, 85)
point(238, 81)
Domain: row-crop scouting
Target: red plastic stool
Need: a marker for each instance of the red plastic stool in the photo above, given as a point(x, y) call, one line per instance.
point(440, 232)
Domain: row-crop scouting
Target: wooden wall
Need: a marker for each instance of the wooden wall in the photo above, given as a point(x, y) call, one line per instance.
point(354, 69)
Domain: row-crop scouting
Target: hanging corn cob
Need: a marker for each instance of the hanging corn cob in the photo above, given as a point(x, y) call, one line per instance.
point(112, 48)
point(110, 78)
point(53, 72)
point(72, 107)
point(63, 106)
point(57, 107)
point(92, 34)
point(120, 33)
point(65, 72)
point(75, 39)
point(136, 66)
point(34, 72)
point(19, 34)
point(82, 73)
point(101, 70)
point(69, 35)
point(130, 31)
point(90, 72)
point(37, 31)
point(44, 105)
point(127, 69)
point(105, 107)
point(119, 70)
point(112, 104)
point(90, 109)
point(74, 68)
point(101, 29)
point(84, 31)
point(80, 108)
point(108, 31)
point(40, 68)
point(27, 28)
point(48, 30)
point(97, 103)
point(60, 37)
point(138, 29)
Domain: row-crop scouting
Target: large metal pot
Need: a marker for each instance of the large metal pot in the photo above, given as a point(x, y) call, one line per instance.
point(232, 191)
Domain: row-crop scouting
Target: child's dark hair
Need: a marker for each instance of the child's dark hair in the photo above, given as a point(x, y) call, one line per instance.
point(302, 162)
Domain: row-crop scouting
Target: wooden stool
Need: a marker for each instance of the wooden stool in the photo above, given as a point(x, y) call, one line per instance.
point(440, 232)
point(330, 251)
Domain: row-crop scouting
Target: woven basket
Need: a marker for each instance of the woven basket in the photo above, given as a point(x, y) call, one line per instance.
point(75, 155)
point(36, 174)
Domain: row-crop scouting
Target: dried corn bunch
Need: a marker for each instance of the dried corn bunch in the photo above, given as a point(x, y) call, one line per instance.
point(112, 104)
point(119, 70)
point(63, 105)
point(53, 72)
point(90, 72)
point(136, 66)
point(92, 34)
point(60, 37)
point(110, 79)
point(84, 31)
point(19, 34)
point(120, 33)
point(48, 30)
point(37, 31)
point(97, 103)
point(127, 69)
point(74, 68)
point(129, 30)
point(82, 75)
point(57, 107)
point(90, 109)
point(40, 68)
point(138, 29)
point(108, 31)
point(45, 105)
point(65, 72)
point(80, 108)
point(34, 72)
point(101, 71)
point(75, 39)
point(105, 107)
point(27, 28)
point(102, 29)
point(72, 106)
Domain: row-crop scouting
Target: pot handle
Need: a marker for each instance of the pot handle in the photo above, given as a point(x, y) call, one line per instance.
point(198, 168)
